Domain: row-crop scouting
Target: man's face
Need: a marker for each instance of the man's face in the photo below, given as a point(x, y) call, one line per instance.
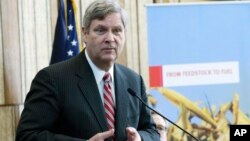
point(105, 40)
point(160, 126)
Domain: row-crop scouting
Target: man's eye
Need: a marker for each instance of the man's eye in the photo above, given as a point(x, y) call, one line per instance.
point(117, 30)
point(100, 30)
point(161, 128)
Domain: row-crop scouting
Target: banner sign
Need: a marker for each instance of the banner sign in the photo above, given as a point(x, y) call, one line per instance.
point(200, 53)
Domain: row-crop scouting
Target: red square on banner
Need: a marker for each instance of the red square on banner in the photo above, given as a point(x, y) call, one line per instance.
point(155, 76)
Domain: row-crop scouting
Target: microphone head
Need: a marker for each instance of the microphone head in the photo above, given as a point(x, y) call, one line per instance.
point(131, 91)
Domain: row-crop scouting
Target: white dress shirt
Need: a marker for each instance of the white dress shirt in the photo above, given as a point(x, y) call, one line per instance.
point(99, 74)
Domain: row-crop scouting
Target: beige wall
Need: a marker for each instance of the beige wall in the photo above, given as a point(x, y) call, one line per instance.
point(26, 37)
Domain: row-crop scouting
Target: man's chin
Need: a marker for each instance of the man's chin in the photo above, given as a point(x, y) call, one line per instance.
point(110, 59)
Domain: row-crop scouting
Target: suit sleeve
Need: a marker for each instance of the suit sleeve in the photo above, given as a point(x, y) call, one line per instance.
point(41, 111)
point(146, 126)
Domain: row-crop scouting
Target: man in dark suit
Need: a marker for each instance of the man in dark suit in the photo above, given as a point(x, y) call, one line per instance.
point(70, 101)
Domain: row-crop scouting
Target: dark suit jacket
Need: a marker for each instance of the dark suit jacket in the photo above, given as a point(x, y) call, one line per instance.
point(64, 104)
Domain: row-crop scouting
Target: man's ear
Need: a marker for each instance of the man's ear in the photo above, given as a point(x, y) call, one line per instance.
point(84, 35)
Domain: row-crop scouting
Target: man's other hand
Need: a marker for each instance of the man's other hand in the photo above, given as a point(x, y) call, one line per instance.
point(132, 134)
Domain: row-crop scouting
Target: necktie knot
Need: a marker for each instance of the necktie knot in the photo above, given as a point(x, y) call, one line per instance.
point(107, 77)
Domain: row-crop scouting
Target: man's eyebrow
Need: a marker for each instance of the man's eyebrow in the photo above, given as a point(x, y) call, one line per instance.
point(100, 25)
point(116, 26)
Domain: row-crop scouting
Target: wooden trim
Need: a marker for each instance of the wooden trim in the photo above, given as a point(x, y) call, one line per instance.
point(2, 99)
point(9, 105)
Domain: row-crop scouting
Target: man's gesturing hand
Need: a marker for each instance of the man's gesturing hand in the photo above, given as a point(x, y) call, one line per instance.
point(102, 136)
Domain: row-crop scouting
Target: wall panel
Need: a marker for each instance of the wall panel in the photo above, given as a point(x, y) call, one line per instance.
point(8, 122)
point(21, 44)
point(11, 52)
point(142, 40)
point(131, 44)
point(29, 40)
point(123, 56)
point(42, 33)
point(53, 6)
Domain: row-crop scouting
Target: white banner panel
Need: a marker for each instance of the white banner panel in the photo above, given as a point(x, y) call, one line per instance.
point(200, 74)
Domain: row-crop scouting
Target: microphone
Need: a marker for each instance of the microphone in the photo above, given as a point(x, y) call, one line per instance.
point(130, 91)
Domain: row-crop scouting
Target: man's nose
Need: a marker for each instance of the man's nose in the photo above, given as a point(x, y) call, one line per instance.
point(110, 37)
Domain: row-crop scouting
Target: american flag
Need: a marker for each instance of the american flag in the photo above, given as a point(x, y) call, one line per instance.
point(66, 44)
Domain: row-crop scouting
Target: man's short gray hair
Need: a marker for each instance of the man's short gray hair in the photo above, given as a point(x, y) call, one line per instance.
point(99, 9)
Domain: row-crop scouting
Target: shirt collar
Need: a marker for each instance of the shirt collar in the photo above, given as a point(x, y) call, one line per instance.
point(98, 73)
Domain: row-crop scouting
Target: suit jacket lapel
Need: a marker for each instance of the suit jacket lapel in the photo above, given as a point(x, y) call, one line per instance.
point(121, 102)
point(88, 86)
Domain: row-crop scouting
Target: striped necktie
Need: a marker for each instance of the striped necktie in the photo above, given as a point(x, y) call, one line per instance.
point(108, 101)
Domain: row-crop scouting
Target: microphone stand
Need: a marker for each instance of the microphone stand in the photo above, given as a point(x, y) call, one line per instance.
point(130, 91)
